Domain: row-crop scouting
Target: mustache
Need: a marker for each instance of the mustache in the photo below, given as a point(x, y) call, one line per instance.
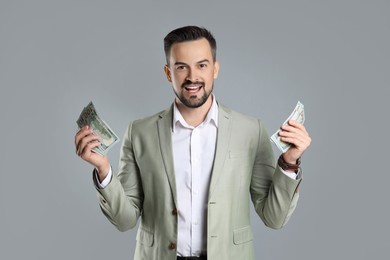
point(189, 82)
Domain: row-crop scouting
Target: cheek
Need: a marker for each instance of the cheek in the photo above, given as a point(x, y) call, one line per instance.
point(210, 78)
point(177, 81)
point(178, 76)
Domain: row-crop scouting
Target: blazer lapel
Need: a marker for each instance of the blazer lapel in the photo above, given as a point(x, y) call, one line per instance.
point(165, 137)
point(223, 137)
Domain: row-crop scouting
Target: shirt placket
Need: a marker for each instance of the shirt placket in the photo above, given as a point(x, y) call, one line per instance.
point(196, 207)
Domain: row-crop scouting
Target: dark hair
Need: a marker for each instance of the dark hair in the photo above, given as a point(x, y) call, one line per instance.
point(189, 33)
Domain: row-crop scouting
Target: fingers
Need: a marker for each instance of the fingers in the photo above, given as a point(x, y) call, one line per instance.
point(85, 140)
point(87, 144)
point(300, 140)
point(294, 126)
point(296, 134)
point(300, 144)
point(84, 131)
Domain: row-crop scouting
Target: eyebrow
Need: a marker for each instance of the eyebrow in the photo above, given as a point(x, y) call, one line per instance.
point(205, 60)
point(183, 63)
point(179, 63)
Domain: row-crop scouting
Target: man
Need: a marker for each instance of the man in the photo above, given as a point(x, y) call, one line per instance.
point(189, 171)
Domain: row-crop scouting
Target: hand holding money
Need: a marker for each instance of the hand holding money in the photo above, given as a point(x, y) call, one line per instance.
point(85, 142)
point(94, 139)
point(108, 138)
point(292, 138)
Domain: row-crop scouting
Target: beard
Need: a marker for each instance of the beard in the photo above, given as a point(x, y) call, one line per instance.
point(194, 101)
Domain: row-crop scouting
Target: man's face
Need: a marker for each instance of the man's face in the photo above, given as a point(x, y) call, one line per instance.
point(192, 71)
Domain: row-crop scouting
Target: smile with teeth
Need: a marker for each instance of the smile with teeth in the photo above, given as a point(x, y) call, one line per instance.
point(193, 89)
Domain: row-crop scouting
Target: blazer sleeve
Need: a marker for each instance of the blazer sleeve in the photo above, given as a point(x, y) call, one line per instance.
point(273, 194)
point(121, 200)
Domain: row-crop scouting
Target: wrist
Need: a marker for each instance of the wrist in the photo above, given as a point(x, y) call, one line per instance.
point(289, 160)
point(102, 171)
point(287, 165)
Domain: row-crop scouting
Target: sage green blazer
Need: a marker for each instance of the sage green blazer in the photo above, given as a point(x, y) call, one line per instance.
point(244, 169)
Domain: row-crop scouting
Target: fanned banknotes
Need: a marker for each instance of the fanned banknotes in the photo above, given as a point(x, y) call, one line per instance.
point(107, 137)
point(298, 114)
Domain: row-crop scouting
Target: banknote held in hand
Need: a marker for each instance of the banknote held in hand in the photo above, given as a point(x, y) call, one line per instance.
point(100, 128)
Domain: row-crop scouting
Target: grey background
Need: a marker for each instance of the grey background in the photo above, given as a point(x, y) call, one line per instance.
point(56, 56)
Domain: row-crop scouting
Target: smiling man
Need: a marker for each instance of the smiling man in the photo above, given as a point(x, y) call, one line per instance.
point(190, 171)
point(191, 68)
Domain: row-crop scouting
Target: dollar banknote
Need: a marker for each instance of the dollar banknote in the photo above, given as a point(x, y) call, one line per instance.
point(298, 114)
point(90, 117)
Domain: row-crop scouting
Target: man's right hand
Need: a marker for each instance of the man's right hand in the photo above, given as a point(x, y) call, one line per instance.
point(85, 141)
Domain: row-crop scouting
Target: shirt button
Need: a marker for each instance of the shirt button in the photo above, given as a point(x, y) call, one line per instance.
point(174, 211)
point(172, 246)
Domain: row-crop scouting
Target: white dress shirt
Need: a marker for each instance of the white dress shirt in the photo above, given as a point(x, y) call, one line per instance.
point(193, 155)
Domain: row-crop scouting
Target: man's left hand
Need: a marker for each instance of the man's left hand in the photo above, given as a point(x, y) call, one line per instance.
point(296, 134)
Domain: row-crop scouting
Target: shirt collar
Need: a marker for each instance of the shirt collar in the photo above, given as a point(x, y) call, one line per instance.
point(212, 116)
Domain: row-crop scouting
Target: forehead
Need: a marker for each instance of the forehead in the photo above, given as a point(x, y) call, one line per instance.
point(191, 51)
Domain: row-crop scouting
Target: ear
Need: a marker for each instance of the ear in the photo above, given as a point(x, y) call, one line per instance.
point(167, 73)
point(216, 69)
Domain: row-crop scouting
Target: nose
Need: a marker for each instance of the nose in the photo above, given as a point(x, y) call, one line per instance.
point(192, 76)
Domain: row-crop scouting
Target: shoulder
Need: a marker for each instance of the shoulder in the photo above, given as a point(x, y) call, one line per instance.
point(238, 118)
point(241, 125)
point(244, 131)
point(150, 122)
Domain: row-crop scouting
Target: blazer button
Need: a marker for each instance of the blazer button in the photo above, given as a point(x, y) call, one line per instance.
point(172, 246)
point(174, 211)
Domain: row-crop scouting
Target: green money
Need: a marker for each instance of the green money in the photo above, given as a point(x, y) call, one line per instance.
point(100, 128)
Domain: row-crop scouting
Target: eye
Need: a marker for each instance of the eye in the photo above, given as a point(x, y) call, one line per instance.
point(180, 67)
point(202, 65)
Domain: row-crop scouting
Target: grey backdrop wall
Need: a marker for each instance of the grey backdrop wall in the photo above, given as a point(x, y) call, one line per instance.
point(56, 56)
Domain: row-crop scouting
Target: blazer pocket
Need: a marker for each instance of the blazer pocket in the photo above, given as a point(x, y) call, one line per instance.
point(242, 235)
point(145, 237)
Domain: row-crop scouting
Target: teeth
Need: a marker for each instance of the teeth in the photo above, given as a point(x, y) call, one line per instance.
point(193, 88)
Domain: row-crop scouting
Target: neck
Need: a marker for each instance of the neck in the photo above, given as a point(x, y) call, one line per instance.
point(194, 116)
